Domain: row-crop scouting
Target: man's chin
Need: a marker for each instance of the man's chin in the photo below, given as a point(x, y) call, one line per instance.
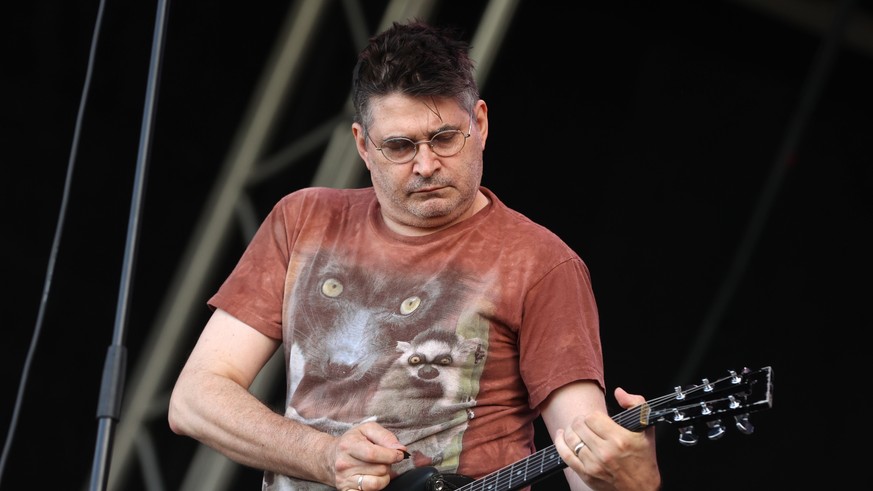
point(429, 213)
point(432, 206)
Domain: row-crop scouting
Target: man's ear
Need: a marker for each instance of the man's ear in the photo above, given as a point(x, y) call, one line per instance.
point(361, 143)
point(480, 112)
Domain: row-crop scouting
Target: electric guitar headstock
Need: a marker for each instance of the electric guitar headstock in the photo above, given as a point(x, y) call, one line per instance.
point(707, 405)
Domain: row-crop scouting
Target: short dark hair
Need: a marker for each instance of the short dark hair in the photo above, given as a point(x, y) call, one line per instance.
point(414, 59)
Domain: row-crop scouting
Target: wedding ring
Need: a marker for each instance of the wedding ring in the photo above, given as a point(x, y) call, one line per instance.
point(361, 482)
point(578, 447)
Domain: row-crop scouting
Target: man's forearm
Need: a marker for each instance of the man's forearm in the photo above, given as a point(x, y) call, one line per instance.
point(226, 417)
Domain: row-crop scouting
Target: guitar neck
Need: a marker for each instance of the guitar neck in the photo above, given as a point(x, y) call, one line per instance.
point(545, 462)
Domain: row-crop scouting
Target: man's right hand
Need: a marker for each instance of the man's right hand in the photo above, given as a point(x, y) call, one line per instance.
point(363, 455)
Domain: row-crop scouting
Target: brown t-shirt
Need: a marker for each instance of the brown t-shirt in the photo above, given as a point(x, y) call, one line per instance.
point(451, 340)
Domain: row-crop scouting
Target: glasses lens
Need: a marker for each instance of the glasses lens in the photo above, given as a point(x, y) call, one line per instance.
point(398, 149)
point(447, 143)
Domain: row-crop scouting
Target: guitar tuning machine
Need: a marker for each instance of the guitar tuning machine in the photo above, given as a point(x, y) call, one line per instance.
point(735, 379)
point(687, 436)
point(744, 425)
point(716, 430)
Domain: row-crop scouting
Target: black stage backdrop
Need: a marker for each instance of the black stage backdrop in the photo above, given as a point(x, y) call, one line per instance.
point(644, 133)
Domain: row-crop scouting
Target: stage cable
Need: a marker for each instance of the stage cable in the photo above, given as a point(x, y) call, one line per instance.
point(53, 254)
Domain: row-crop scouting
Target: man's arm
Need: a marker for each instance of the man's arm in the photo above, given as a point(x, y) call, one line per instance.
point(211, 403)
point(613, 458)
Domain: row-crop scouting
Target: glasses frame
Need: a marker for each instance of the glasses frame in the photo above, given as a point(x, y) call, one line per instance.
point(416, 144)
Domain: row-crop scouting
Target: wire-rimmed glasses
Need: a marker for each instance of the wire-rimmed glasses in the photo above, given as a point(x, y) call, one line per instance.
point(447, 143)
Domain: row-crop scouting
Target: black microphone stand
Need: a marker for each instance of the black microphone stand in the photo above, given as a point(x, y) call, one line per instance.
point(112, 384)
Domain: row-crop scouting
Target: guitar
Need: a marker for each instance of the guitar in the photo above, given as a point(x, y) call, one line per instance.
point(705, 405)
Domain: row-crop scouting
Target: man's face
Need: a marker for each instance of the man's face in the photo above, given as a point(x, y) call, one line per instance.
point(429, 192)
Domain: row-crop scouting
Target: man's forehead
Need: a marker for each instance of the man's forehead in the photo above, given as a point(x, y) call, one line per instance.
point(396, 104)
point(401, 112)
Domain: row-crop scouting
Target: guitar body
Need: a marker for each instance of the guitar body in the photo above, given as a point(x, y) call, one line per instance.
point(427, 479)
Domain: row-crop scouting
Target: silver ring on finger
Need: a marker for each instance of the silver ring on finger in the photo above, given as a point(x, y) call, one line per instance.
point(361, 482)
point(576, 450)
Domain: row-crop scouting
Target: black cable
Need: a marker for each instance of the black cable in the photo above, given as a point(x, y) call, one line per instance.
point(55, 244)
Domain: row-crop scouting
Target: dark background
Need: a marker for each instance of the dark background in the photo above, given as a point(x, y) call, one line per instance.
point(645, 134)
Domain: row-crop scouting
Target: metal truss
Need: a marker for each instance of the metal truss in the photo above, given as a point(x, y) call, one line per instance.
point(230, 207)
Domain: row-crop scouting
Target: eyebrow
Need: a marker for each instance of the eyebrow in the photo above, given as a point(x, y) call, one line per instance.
point(444, 127)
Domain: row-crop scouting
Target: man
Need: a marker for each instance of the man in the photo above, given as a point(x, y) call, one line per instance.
point(424, 323)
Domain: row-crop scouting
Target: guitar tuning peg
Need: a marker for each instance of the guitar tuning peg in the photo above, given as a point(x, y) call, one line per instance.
point(716, 430)
point(687, 436)
point(735, 379)
point(744, 425)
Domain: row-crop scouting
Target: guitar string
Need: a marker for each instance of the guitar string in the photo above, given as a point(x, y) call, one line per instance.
point(744, 379)
point(503, 477)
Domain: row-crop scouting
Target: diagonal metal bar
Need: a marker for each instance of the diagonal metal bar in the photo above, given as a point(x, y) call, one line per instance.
point(340, 167)
point(151, 374)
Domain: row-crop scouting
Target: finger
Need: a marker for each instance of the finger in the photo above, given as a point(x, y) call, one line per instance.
point(581, 431)
point(567, 443)
point(357, 456)
point(368, 482)
point(379, 435)
point(575, 439)
point(626, 399)
point(355, 482)
point(597, 427)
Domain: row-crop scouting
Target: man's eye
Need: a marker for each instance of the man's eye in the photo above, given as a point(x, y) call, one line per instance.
point(397, 145)
point(444, 137)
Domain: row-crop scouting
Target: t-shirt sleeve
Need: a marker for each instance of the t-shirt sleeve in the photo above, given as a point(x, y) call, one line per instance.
point(254, 291)
point(560, 333)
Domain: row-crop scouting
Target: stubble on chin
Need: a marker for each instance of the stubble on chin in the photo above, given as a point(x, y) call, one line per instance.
point(422, 207)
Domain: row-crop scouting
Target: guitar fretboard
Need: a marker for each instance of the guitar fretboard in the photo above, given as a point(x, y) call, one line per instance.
point(520, 474)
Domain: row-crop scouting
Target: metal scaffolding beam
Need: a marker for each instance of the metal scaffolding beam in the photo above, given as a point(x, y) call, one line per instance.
point(229, 204)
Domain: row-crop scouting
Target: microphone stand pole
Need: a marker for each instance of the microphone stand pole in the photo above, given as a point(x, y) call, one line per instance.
point(112, 384)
